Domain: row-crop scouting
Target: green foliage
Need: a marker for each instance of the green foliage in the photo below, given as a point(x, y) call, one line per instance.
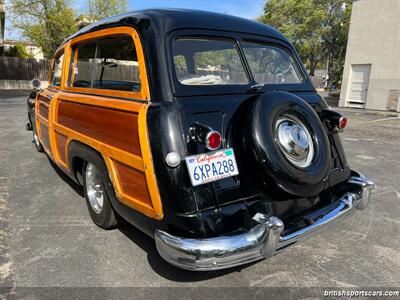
point(19, 50)
point(179, 61)
point(227, 59)
point(317, 28)
point(100, 9)
point(47, 23)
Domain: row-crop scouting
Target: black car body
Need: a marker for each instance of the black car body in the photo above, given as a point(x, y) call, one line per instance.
point(293, 175)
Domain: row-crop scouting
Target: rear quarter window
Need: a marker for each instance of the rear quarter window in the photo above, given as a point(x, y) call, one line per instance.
point(108, 63)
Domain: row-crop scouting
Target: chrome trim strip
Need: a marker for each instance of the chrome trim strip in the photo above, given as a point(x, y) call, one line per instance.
point(262, 241)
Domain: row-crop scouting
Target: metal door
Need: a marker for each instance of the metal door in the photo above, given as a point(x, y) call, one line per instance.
point(358, 86)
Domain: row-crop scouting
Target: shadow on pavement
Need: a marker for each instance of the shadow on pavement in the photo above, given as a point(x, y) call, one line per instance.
point(164, 269)
point(147, 244)
point(76, 187)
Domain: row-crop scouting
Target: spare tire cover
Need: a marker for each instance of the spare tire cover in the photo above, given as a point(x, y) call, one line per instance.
point(290, 143)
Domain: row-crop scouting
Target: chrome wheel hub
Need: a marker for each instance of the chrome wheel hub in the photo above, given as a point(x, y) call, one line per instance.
point(295, 141)
point(94, 188)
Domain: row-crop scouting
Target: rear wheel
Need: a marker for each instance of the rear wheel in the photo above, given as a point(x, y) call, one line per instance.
point(97, 198)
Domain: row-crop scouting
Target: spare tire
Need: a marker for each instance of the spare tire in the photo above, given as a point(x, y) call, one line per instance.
point(289, 143)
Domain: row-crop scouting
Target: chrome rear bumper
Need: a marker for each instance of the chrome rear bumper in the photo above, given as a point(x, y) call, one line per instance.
point(262, 241)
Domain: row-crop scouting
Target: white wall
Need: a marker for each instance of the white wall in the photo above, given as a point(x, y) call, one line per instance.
point(18, 84)
point(374, 38)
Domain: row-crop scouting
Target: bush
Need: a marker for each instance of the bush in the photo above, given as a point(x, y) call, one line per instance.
point(19, 50)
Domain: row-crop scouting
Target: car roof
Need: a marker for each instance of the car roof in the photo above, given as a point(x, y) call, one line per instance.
point(165, 21)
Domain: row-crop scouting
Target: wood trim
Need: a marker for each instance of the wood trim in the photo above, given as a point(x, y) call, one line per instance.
point(101, 101)
point(148, 163)
point(66, 65)
point(71, 68)
point(43, 124)
point(50, 79)
point(44, 110)
point(106, 150)
point(42, 119)
point(144, 94)
point(109, 126)
point(113, 154)
point(44, 106)
point(118, 130)
point(61, 146)
point(133, 188)
point(45, 137)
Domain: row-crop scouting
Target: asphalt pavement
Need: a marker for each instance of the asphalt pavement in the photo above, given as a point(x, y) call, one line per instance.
point(48, 242)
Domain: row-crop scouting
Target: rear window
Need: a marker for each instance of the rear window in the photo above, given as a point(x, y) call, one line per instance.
point(109, 63)
point(271, 64)
point(208, 62)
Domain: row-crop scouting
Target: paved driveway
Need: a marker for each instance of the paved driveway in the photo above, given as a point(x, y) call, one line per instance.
point(48, 240)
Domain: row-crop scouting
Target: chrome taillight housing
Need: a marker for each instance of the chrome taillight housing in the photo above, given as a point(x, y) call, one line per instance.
point(205, 135)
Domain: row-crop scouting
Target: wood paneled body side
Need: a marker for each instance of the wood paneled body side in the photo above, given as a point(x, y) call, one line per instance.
point(61, 146)
point(144, 93)
point(45, 139)
point(115, 128)
point(44, 105)
point(133, 189)
point(42, 115)
point(111, 122)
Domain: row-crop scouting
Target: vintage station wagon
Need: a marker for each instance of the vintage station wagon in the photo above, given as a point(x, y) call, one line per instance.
point(201, 129)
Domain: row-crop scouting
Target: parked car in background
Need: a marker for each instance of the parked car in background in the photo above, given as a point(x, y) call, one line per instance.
point(201, 129)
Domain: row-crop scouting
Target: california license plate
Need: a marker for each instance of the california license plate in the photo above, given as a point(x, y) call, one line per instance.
point(212, 166)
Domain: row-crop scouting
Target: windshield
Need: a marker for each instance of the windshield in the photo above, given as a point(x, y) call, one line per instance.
point(208, 62)
point(271, 64)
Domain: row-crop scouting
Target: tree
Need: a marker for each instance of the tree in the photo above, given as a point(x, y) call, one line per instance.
point(45, 22)
point(317, 28)
point(19, 50)
point(100, 9)
point(300, 22)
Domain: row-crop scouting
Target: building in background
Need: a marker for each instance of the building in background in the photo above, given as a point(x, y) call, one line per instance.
point(371, 77)
point(31, 48)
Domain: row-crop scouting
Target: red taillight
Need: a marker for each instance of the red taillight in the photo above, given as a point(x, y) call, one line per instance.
point(213, 140)
point(342, 122)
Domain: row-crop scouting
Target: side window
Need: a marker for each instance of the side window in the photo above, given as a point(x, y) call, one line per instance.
point(203, 61)
point(108, 63)
point(57, 70)
point(82, 65)
point(272, 65)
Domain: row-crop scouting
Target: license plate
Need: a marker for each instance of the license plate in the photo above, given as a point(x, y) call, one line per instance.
point(212, 166)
